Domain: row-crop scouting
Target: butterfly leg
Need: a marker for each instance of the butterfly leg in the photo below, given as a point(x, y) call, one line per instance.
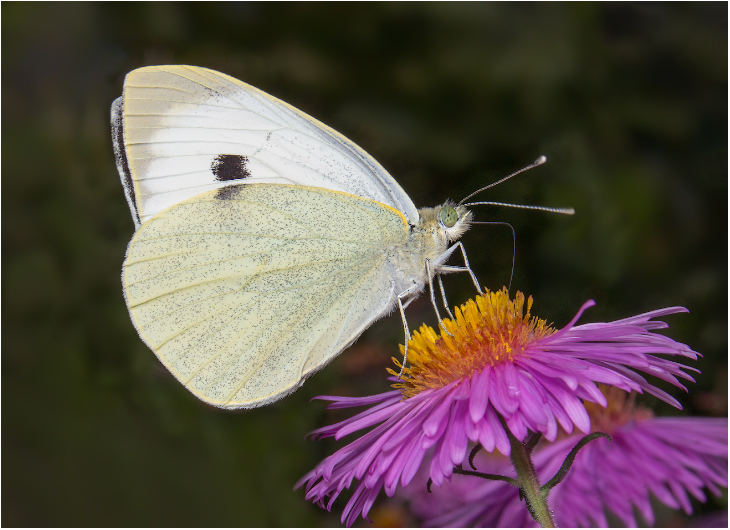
point(443, 296)
point(430, 274)
point(400, 297)
point(446, 269)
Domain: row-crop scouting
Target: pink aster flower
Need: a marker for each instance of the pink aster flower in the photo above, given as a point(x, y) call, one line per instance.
point(671, 458)
point(497, 362)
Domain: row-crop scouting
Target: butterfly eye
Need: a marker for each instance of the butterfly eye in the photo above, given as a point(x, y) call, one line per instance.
point(449, 216)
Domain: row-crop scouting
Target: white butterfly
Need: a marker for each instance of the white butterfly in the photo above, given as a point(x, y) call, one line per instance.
point(266, 242)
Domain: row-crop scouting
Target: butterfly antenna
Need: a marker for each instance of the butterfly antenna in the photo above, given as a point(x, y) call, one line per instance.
point(540, 161)
point(565, 211)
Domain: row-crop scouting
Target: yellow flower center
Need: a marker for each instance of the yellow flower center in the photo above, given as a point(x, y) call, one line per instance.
point(490, 329)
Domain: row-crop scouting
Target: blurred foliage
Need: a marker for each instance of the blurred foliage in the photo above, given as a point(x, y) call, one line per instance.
point(628, 102)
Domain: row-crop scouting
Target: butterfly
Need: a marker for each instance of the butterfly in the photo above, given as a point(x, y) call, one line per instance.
point(265, 241)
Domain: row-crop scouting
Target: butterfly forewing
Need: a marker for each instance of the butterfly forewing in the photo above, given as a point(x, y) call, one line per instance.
point(184, 130)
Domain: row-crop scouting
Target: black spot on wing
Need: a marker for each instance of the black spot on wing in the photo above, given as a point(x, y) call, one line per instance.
point(230, 167)
point(228, 193)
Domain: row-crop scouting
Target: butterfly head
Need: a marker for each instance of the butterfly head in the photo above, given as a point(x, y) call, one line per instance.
point(454, 219)
point(447, 222)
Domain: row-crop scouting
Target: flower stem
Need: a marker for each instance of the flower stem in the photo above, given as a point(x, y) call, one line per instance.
point(563, 471)
point(529, 482)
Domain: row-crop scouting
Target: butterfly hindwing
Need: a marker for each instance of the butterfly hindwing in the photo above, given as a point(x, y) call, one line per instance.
point(243, 294)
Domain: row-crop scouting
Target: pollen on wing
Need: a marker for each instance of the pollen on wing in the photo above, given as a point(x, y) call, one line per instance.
point(491, 329)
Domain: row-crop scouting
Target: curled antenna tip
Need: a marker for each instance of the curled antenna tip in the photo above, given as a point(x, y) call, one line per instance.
point(540, 160)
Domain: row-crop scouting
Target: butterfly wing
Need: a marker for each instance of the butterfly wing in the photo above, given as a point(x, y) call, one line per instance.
point(179, 131)
point(245, 291)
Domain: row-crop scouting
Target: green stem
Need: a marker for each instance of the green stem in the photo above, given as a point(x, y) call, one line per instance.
point(529, 482)
point(563, 471)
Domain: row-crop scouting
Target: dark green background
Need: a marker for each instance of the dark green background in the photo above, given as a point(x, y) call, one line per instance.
point(628, 102)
